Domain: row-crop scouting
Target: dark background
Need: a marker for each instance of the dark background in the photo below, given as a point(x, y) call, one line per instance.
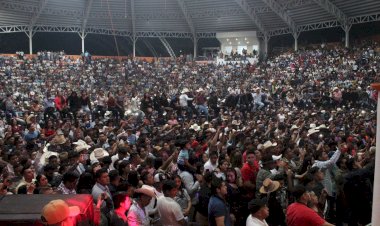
point(105, 44)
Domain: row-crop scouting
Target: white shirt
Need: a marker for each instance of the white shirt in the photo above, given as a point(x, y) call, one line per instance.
point(209, 166)
point(169, 210)
point(183, 100)
point(253, 221)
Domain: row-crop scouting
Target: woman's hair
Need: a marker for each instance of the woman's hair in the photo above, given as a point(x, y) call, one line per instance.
point(230, 169)
point(237, 159)
point(177, 176)
point(38, 178)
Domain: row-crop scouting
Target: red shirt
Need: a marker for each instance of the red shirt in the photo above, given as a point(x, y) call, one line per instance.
point(249, 173)
point(299, 214)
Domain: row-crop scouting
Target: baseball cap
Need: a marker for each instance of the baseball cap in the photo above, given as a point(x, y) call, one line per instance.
point(57, 211)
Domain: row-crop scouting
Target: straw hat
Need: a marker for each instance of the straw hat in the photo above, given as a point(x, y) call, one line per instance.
point(58, 139)
point(269, 186)
point(269, 144)
point(235, 122)
point(98, 153)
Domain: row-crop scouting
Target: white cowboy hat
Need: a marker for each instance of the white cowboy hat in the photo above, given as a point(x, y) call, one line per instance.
point(46, 155)
point(98, 153)
point(200, 90)
point(235, 122)
point(185, 90)
point(82, 147)
point(312, 131)
point(195, 127)
point(293, 127)
point(269, 144)
point(276, 157)
point(321, 127)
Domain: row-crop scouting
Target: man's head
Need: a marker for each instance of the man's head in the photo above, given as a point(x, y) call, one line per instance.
point(214, 157)
point(218, 187)
point(250, 157)
point(300, 194)
point(169, 188)
point(70, 180)
point(258, 208)
point(147, 178)
point(114, 177)
point(102, 177)
point(57, 212)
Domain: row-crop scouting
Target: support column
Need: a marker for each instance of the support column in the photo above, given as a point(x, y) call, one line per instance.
point(295, 36)
point(195, 41)
point(82, 35)
point(266, 44)
point(134, 39)
point(30, 35)
point(376, 183)
point(347, 28)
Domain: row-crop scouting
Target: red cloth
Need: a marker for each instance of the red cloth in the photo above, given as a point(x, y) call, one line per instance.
point(299, 214)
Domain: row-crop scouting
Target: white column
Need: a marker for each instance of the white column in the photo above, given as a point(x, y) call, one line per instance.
point(347, 29)
point(195, 41)
point(376, 183)
point(30, 36)
point(295, 36)
point(82, 36)
point(134, 46)
point(266, 44)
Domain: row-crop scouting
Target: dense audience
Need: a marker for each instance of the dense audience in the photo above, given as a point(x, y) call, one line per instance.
point(289, 141)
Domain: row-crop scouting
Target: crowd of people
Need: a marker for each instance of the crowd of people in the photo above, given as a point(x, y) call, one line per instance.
point(289, 141)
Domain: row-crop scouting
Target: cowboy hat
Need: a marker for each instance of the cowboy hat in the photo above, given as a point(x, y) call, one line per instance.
point(276, 157)
point(146, 190)
point(322, 127)
point(185, 90)
point(312, 131)
point(195, 127)
point(46, 155)
point(269, 144)
point(98, 153)
point(82, 147)
point(58, 139)
point(293, 127)
point(269, 186)
point(335, 88)
point(200, 90)
point(235, 122)
point(211, 130)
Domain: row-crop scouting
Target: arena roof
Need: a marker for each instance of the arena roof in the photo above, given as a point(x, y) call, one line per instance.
point(183, 18)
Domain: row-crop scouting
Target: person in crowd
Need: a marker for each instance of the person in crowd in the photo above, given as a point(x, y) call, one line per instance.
point(218, 210)
point(298, 213)
point(170, 211)
point(259, 211)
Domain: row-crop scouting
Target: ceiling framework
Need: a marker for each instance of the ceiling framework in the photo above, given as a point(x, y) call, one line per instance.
point(183, 18)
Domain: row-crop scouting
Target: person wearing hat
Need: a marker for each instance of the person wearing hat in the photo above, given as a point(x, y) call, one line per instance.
point(258, 212)
point(299, 214)
point(183, 102)
point(137, 214)
point(265, 171)
point(58, 212)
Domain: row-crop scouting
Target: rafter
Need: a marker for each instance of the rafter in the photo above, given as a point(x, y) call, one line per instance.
point(86, 13)
point(278, 9)
point(37, 14)
point(187, 15)
point(251, 14)
point(329, 7)
point(133, 16)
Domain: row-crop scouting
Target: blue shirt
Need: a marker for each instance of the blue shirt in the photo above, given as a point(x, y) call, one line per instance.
point(217, 207)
